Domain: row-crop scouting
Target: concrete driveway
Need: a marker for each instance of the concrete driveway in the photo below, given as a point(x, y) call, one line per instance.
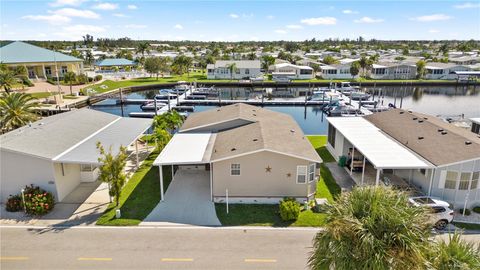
point(187, 201)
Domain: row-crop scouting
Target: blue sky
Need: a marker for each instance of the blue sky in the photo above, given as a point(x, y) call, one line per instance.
point(231, 20)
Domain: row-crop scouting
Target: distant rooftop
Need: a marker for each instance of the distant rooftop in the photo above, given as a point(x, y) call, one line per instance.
point(21, 52)
point(239, 63)
point(109, 62)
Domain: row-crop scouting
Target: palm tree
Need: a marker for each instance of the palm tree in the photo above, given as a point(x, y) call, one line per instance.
point(455, 255)
point(70, 78)
point(421, 69)
point(372, 228)
point(7, 80)
point(143, 47)
point(232, 68)
point(169, 120)
point(16, 110)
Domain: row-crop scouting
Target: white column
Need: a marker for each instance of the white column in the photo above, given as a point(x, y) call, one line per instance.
point(161, 182)
point(377, 179)
point(351, 163)
point(431, 182)
point(363, 170)
point(173, 172)
point(136, 152)
point(44, 72)
point(211, 181)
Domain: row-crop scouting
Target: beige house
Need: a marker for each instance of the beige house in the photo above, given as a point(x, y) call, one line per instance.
point(39, 62)
point(252, 154)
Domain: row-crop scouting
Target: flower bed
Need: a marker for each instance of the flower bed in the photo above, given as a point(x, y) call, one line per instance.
point(38, 201)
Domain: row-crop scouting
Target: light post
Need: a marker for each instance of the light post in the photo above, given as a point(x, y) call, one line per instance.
point(23, 200)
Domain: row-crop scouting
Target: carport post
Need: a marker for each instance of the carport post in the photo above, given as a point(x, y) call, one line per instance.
point(363, 170)
point(351, 163)
point(136, 152)
point(161, 182)
point(377, 179)
point(173, 172)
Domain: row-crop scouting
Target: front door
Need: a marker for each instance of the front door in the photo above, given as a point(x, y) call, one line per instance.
point(31, 72)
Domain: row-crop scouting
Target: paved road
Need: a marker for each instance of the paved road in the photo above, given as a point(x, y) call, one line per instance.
point(154, 248)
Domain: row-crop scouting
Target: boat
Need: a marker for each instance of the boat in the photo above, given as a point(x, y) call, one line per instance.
point(346, 87)
point(150, 105)
point(165, 94)
point(329, 96)
point(343, 111)
point(358, 95)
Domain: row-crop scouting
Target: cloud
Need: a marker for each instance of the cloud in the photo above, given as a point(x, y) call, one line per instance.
point(270, 17)
point(348, 11)
point(60, 3)
point(432, 18)
point(234, 16)
point(120, 15)
point(106, 6)
point(294, 26)
point(135, 26)
point(433, 31)
point(53, 19)
point(319, 21)
point(178, 26)
point(280, 31)
point(132, 7)
point(72, 12)
point(75, 32)
point(368, 20)
point(467, 5)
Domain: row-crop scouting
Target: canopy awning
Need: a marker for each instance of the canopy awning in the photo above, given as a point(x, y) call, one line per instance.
point(187, 148)
point(121, 132)
point(380, 149)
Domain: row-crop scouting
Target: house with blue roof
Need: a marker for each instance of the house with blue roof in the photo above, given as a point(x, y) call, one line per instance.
point(109, 63)
point(41, 63)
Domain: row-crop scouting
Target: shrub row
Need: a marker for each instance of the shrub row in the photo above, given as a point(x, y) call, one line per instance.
point(36, 201)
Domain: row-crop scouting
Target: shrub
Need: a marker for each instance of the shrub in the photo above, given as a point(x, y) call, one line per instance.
point(289, 209)
point(467, 211)
point(14, 203)
point(90, 79)
point(37, 200)
point(82, 78)
point(98, 77)
point(476, 209)
point(27, 82)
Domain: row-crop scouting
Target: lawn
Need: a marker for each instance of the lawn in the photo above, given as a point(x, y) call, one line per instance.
point(467, 226)
point(139, 196)
point(268, 214)
point(41, 94)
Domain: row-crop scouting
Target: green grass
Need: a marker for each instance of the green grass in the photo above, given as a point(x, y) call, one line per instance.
point(41, 94)
point(371, 80)
point(139, 196)
point(69, 97)
point(319, 142)
point(467, 226)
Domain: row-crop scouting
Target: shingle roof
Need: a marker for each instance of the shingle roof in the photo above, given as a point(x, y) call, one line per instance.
point(21, 52)
point(423, 134)
point(115, 62)
point(268, 130)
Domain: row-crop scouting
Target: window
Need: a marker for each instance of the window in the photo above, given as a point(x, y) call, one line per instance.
point(247, 71)
point(48, 71)
point(301, 174)
point(331, 135)
point(87, 167)
point(235, 169)
point(306, 71)
point(64, 69)
point(451, 180)
point(464, 181)
point(475, 178)
point(438, 209)
point(311, 173)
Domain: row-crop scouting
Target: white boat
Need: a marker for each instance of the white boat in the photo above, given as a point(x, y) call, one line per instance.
point(149, 106)
point(330, 96)
point(346, 87)
point(357, 95)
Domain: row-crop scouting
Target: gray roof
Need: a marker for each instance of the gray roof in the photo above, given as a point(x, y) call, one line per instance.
point(239, 64)
point(21, 52)
point(121, 132)
point(115, 62)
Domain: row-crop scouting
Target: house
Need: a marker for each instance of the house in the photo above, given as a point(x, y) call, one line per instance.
point(443, 71)
point(475, 125)
point(110, 63)
point(39, 62)
point(409, 149)
point(59, 152)
point(392, 71)
point(250, 153)
point(336, 71)
point(244, 69)
point(465, 60)
point(291, 71)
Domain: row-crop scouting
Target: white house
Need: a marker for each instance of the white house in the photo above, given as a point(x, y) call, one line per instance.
point(291, 71)
point(244, 69)
point(59, 152)
point(392, 71)
point(336, 71)
point(443, 71)
point(408, 149)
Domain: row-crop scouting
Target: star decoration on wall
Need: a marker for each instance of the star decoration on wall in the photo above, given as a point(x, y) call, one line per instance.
point(268, 169)
point(289, 175)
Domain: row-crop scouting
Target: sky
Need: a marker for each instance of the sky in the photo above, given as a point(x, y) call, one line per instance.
point(230, 20)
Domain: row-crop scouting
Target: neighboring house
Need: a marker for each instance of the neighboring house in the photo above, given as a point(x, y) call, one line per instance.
point(59, 152)
point(465, 60)
point(39, 62)
point(336, 71)
point(443, 71)
point(291, 71)
point(475, 125)
point(244, 69)
point(256, 154)
point(403, 147)
point(392, 71)
point(110, 63)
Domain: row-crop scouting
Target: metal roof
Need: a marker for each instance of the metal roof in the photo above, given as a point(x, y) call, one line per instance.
point(380, 149)
point(21, 52)
point(187, 148)
point(121, 132)
point(115, 62)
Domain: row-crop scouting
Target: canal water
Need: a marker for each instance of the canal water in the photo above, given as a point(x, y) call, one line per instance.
point(446, 101)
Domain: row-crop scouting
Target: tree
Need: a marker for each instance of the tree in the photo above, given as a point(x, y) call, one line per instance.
point(112, 170)
point(372, 228)
point(70, 78)
point(89, 57)
point(355, 69)
point(143, 47)
point(455, 255)
point(182, 64)
point(328, 60)
point(169, 121)
point(88, 40)
point(267, 61)
point(153, 66)
point(405, 51)
point(7, 80)
point(16, 110)
point(365, 64)
point(251, 56)
point(162, 137)
point(421, 69)
point(232, 68)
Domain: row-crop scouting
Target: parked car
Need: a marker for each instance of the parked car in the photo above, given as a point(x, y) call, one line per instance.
point(441, 213)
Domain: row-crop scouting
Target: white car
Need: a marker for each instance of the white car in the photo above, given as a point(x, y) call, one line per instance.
point(441, 213)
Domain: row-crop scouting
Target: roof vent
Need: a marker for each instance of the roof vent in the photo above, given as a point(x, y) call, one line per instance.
point(415, 118)
point(444, 133)
point(420, 137)
point(233, 149)
point(254, 114)
point(468, 142)
point(440, 129)
point(402, 112)
point(218, 110)
point(254, 110)
point(409, 111)
point(420, 121)
point(292, 130)
point(255, 140)
point(426, 118)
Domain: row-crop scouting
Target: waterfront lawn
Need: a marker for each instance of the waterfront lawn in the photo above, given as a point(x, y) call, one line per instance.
point(139, 196)
point(467, 226)
point(319, 142)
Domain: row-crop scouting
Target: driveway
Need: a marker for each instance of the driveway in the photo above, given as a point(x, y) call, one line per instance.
point(187, 201)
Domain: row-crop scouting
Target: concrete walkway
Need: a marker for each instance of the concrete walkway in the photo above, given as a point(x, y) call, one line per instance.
point(187, 201)
point(343, 179)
